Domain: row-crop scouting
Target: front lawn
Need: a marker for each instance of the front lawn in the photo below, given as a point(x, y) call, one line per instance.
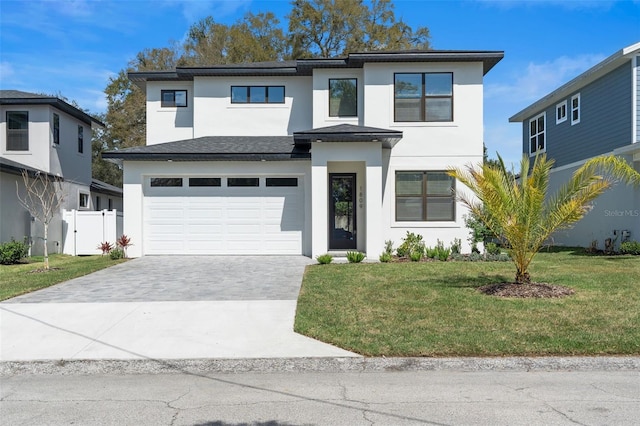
point(19, 279)
point(434, 308)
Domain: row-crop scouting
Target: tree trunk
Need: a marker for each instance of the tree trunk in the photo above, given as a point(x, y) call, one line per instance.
point(46, 250)
point(522, 277)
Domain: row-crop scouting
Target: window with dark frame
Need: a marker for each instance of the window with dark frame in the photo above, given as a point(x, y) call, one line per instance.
point(98, 203)
point(110, 204)
point(537, 133)
point(83, 202)
point(282, 182)
point(56, 129)
point(80, 139)
point(423, 97)
point(425, 196)
point(173, 98)
point(257, 94)
point(17, 131)
point(166, 182)
point(242, 181)
point(343, 97)
point(204, 181)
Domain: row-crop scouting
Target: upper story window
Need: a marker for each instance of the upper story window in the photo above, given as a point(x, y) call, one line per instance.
point(424, 196)
point(343, 97)
point(575, 109)
point(537, 133)
point(423, 96)
point(257, 94)
point(56, 129)
point(17, 131)
point(173, 98)
point(561, 112)
point(80, 139)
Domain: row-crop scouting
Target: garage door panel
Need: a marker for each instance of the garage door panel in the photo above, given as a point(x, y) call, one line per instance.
point(265, 220)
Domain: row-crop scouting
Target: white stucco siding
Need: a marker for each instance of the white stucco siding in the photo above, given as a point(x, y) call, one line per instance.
point(137, 196)
point(65, 160)
point(166, 124)
point(39, 136)
point(215, 115)
point(321, 78)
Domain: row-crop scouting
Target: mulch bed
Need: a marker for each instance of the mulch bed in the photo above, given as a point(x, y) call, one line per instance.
point(531, 290)
point(39, 270)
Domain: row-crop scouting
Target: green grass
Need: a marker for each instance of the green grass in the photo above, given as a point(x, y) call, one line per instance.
point(434, 309)
point(19, 279)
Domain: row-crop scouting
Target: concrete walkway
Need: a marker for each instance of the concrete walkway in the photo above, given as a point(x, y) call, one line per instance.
point(165, 307)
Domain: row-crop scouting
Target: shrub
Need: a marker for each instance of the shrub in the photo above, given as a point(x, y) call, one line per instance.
point(116, 254)
point(492, 248)
point(411, 243)
point(388, 247)
point(630, 247)
point(441, 253)
point(12, 251)
point(105, 247)
point(385, 257)
point(355, 256)
point(456, 246)
point(123, 242)
point(324, 259)
point(415, 256)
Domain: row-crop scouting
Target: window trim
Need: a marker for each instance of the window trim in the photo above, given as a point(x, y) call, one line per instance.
point(355, 115)
point(576, 109)
point(9, 131)
point(87, 198)
point(266, 99)
point(173, 104)
point(56, 129)
point(425, 196)
point(537, 135)
point(558, 108)
point(424, 97)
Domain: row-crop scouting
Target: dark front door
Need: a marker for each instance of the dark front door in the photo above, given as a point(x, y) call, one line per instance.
point(342, 211)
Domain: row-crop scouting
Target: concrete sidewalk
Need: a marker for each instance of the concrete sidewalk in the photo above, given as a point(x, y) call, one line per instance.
point(165, 307)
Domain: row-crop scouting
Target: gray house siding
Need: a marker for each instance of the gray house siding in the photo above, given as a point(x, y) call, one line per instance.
point(605, 120)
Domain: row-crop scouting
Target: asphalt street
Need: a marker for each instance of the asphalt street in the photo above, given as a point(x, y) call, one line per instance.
point(324, 398)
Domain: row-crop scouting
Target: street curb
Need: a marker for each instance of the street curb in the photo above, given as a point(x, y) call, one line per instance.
point(320, 365)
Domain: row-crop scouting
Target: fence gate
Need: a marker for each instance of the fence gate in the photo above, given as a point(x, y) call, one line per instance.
point(85, 230)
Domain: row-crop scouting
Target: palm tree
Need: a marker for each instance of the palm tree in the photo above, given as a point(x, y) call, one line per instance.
point(520, 210)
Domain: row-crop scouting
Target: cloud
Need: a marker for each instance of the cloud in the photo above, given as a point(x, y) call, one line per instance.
point(194, 10)
point(539, 79)
point(6, 71)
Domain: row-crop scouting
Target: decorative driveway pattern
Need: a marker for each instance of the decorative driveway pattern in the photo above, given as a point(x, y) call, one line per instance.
point(182, 278)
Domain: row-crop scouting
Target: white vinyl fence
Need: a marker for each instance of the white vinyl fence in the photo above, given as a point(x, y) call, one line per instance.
point(84, 230)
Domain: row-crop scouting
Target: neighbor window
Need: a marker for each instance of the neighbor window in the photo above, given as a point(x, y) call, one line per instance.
point(17, 131)
point(80, 139)
point(575, 109)
point(56, 129)
point(561, 112)
point(204, 181)
point(282, 181)
point(424, 196)
point(257, 94)
point(166, 182)
point(110, 204)
point(423, 97)
point(243, 182)
point(173, 98)
point(83, 201)
point(343, 97)
point(537, 131)
point(98, 203)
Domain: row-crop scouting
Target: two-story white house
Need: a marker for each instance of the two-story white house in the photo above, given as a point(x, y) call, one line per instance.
point(304, 157)
point(45, 134)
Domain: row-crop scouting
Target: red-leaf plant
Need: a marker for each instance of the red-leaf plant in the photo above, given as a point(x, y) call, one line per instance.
point(105, 247)
point(123, 242)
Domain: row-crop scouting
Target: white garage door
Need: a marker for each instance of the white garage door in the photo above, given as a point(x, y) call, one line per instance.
point(224, 219)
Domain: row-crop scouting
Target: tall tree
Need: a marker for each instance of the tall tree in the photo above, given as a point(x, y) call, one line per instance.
point(520, 209)
point(328, 28)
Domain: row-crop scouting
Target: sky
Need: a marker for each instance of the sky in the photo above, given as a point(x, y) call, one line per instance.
point(73, 47)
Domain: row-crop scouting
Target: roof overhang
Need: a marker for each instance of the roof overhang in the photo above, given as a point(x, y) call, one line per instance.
point(57, 103)
point(349, 133)
point(587, 77)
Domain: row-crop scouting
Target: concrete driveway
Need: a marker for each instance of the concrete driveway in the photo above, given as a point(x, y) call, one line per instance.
point(165, 307)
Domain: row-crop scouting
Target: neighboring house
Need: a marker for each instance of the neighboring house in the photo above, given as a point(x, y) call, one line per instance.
point(304, 157)
point(594, 114)
point(45, 134)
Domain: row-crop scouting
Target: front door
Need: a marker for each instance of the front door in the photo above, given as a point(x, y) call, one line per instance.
point(342, 211)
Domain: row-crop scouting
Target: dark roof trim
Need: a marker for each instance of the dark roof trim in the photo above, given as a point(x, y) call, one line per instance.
point(105, 188)
point(55, 102)
point(14, 168)
point(304, 67)
point(133, 156)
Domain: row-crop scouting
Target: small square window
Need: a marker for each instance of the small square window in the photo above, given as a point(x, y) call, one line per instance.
point(243, 182)
point(166, 182)
point(83, 201)
point(173, 98)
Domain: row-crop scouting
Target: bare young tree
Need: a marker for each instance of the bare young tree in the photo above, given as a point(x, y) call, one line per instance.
point(42, 197)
